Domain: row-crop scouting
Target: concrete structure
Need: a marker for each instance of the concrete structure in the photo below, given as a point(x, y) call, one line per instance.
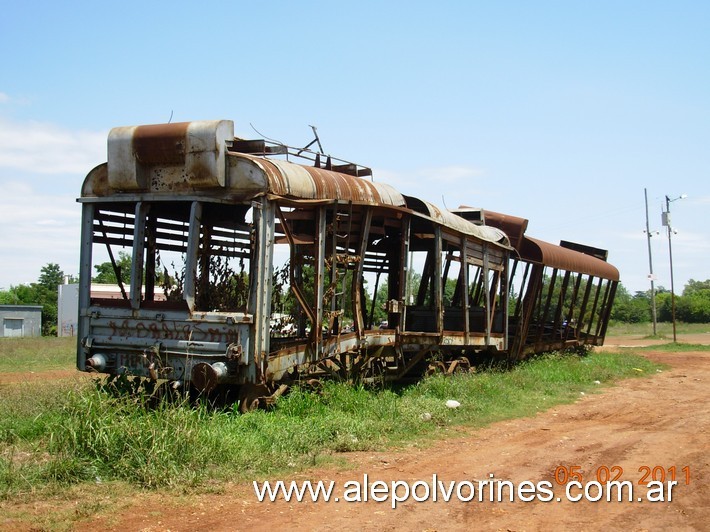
point(67, 309)
point(18, 321)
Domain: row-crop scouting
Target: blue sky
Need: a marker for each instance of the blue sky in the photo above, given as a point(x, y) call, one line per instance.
point(559, 112)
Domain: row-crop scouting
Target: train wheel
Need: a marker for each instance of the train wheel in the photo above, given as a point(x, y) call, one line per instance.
point(436, 367)
point(460, 365)
point(250, 396)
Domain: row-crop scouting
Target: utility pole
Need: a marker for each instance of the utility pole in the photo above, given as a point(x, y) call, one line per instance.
point(666, 218)
point(650, 267)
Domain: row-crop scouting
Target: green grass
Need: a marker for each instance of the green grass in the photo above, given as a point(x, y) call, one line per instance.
point(37, 354)
point(57, 435)
point(663, 329)
point(675, 348)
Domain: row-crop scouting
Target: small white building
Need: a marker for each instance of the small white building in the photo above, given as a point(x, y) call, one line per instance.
point(17, 321)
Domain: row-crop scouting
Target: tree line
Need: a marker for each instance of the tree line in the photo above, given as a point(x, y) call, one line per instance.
point(692, 305)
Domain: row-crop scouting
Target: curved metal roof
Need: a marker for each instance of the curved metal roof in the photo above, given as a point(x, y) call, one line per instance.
point(450, 219)
point(566, 259)
point(289, 180)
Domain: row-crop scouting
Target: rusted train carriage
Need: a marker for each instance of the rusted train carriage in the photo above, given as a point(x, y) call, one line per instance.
point(222, 232)
point(564, 293)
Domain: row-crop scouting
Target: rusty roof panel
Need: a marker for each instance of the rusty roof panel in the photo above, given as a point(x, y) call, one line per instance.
point(160, 143)
point(255, 176)
point(252, 176)
point(457, 222)
point(548, 254)
point(513, 226)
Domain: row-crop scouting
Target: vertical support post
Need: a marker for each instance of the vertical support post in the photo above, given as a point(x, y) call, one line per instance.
point(670, 256)
point(548, 300)
point(438, 291)
point(334, 260)
point(406, 277)
point(358, 309)
point(585, 300)
point(260, 286)
point(465, 306)
point(87, 243)
point(150, 249)
point(593, 314)
point(138, 254)
point(317, 333)
point(487, 294)
point(607, 312)
point(529, 304)
point(505, 287)
point(575, 294)
point(604, 310)
point(193, 250)
point(667, 222)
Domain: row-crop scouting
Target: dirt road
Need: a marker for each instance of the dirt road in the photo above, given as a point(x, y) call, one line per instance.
point(657, 422)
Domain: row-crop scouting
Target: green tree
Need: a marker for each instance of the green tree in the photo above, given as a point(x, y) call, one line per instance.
point(629, 308)
point(694, 305)
point(106, 274)
point(695, 287)
point(51, 277)
point(46, 294)
point(22, 294)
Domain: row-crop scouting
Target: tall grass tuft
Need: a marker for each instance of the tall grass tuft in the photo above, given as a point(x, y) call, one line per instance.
point(100, 436)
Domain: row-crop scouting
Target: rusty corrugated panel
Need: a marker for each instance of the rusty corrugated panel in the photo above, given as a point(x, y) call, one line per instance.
point(456, 222)
point(548, 254)
point(513, 226)
point(257, 176)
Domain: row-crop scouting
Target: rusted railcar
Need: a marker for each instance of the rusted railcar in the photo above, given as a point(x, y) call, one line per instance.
point(563, 295)
point(249, 271)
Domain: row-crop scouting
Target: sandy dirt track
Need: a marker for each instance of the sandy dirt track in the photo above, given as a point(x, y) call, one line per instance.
point(663, 420)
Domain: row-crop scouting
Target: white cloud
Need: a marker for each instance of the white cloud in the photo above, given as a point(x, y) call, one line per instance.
point(42, 167)
point(4, 98)
point(38, 228)
point(44, 148)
